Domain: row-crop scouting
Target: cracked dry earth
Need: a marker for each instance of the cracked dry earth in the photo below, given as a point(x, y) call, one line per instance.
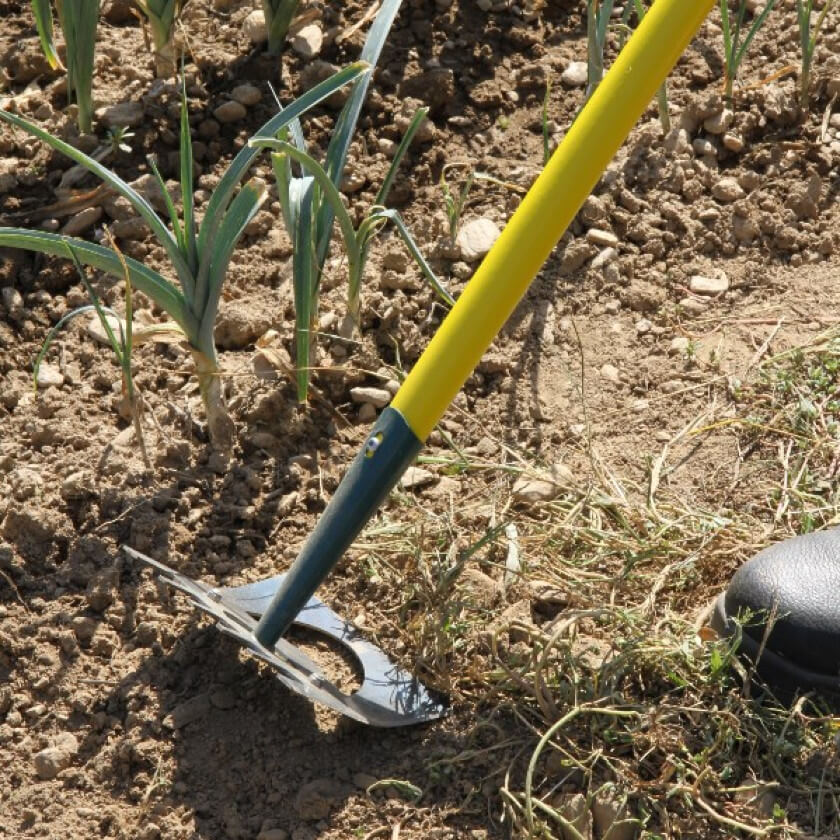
point(122, 715)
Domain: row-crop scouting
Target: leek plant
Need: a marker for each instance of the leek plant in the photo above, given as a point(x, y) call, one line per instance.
point(309, 207)
point(162, 16)
point(598, 13)
point(356, 241)
point(733, 47)
point(808, 38)
point(199, 253)
point(278, 18)
point(78, 20)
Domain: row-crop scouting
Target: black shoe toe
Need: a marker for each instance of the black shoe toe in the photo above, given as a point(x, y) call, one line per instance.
point(796, 585)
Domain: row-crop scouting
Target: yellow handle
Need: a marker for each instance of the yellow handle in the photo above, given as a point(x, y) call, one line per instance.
point(546, 211)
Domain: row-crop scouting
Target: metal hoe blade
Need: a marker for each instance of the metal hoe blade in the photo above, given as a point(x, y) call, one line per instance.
point(389, 696)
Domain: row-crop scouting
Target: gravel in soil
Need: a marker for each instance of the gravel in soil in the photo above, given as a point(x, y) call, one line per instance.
point(700, 253)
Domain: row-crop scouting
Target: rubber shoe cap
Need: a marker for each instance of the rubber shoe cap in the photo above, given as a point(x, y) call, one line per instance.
point(796, 585)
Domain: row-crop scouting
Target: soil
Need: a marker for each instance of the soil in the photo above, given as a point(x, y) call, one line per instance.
point(615, 350)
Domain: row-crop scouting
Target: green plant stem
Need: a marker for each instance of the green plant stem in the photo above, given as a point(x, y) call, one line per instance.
point(279, 15)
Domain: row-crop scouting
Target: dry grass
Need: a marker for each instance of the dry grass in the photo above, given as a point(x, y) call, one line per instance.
point(600, 679)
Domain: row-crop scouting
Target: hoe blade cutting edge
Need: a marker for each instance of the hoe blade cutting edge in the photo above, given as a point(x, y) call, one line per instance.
point(388, 696)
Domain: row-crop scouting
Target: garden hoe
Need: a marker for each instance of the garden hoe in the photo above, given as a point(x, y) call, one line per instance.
point(259, 614)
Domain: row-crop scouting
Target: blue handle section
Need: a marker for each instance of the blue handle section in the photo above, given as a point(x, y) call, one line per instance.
point(389, 449)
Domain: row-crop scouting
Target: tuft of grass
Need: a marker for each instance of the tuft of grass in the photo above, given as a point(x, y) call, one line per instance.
point(199, 253)
point(808, 39)
point(736, 41)
point(123, 346)
point(593, 678)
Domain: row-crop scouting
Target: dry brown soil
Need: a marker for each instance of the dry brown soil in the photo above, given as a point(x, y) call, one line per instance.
point(179, 735)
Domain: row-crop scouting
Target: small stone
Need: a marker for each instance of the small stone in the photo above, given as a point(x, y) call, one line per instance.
point(476, 238)
point(416, 477)
point(84, 628)
point(189, 711)
point(575, 75)
point(50, 762)
point(230, 112)
point(49, 376)
point(704, 147)
point(377, 397)
point(679, 346)
point(643, 326)
point(604, 258)
point(601, 238)
point(534, 490)
point(82, 221)
point(124, 114)
point(76, 486)
point(733, 142)
point(728, 189)
point(366, 411)
point(693, 306)
point(611, 373)
point(308, 41)
point(254, 28)
point(246, 95)
point(718, 123)
point(240, 324)
point(13, 301)
point(701, 285)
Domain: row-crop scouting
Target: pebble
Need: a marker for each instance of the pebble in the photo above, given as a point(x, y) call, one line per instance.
point(76, 486)
point(575, 75)
point(314, 800)
point(692, 306)
point(601, 238)
point(416, 477)
point(366, 411)
point(718, 123)
point(534, 490)
point(50, 761)
point(643, 325)
point(679, 346)
point(188, 712)
point(246, 95)
point(308, 41)
point(728, 189)
point(254, 28)
point(611, 373)
point(13, 301)
point(230, 111)
point(128, 114)
point(476, 238)
point(701, 285)
point(703, 147)
point(82, 221)
point(49, 376)
point(377, 397)
point(733, 142)
point(604, 257)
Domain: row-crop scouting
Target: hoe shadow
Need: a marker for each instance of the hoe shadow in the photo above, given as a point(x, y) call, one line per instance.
point(247, 754)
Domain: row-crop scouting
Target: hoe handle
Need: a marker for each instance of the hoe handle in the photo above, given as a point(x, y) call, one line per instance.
point(490, 296)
